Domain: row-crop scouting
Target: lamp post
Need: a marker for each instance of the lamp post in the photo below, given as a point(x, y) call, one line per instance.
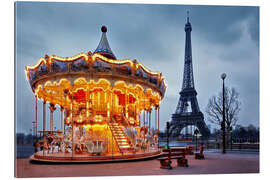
point(196, 131)
point(168, 134)
point(231, 136)
point(223, 76)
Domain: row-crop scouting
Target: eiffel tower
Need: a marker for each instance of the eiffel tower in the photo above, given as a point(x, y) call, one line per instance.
point(184, 117)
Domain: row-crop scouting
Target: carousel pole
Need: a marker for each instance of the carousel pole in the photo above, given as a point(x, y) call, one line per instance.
point(126, 103)
point(148, 131)
point(87, 104)
point(144, 123)
point(64, 123)
point(61, 112)
point(36, 119)
point(50, 128)
point(112, 121)
point(155, 120)
point(150, 110)
point(50, 118)
point(65, 111)
point(44, 124)
point(144, 126)
point(72, 131)
point(135, 113)
point(147, 119)
point(158, 125)
point(94, 104)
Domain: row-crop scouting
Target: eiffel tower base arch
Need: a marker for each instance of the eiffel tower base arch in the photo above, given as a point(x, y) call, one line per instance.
point(180, 121)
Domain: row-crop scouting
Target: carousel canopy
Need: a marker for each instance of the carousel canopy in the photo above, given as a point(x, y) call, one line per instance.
point(52, 77)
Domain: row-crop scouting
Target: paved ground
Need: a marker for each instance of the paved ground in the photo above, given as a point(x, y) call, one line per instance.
point(214, 163)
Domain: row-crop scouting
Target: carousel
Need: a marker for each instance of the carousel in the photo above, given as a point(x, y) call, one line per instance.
point(109, 108)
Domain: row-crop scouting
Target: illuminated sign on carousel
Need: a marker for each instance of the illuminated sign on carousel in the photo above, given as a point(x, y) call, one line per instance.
point(106, 102)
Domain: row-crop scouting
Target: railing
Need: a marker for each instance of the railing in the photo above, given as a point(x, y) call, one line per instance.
point(111, 124)
point(126, 124)
point(235, 146)
point(216, 145)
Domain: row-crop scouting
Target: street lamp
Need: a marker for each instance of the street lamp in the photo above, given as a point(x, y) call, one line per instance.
point(168, 134)
point(231, 136)
point(223, 76)
point(196, 131)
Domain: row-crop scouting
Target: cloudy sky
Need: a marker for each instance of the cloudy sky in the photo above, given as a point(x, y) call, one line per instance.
point(224, 39)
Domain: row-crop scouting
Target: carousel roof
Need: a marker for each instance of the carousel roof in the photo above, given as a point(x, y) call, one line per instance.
point(103, 46)
point(54, 74)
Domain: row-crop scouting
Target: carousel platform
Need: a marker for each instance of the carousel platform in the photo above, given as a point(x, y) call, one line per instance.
point(86, 158)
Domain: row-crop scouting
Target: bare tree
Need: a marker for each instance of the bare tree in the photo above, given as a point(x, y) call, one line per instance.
point(232, 108)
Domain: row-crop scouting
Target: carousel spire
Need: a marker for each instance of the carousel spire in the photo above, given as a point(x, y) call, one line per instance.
point(103, 46)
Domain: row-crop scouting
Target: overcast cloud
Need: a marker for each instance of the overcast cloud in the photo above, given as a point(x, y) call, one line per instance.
point(224, 39)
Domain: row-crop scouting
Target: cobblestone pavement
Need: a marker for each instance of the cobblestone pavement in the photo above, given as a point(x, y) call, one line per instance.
point(215, 163)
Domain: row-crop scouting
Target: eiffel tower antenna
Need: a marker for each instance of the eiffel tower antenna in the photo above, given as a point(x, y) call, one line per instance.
point(188, 95)
point(187, 16)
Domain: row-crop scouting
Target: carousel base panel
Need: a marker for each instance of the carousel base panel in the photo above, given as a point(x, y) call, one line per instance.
point(84, 158)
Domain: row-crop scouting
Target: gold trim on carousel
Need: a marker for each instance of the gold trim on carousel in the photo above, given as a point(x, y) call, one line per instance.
point(94, 58)
point(46, 93)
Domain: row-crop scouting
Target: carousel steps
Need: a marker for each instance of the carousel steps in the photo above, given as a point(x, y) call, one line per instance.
point(120, 137)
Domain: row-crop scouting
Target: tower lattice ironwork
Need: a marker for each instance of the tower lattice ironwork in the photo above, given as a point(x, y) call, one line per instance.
point(187, 111)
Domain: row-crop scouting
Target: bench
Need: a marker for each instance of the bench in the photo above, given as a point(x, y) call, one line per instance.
point(169, 154)
point(165, 162)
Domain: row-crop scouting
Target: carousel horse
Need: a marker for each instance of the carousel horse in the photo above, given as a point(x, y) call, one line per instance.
point(90, 146)
point(67, 146)
point(97, 148)
point(78, 148)
point(56, 143)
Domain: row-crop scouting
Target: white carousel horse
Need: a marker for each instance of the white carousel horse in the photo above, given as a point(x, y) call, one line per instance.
point(90, 146)
point(97, 148)
point(56, 143)
point(103, 146)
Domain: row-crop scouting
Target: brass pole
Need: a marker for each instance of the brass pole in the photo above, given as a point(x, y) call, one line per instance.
point(64, 122)
point(112, 123)
point(158, 126)
point(72, 131)
point(150, 121)
point(36, 118)
point(44, 124)
point(155, 120)
point(61, 111)
point(144, 123)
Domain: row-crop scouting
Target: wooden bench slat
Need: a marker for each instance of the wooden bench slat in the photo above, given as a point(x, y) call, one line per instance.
point(172, 157)
point(162, 158)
